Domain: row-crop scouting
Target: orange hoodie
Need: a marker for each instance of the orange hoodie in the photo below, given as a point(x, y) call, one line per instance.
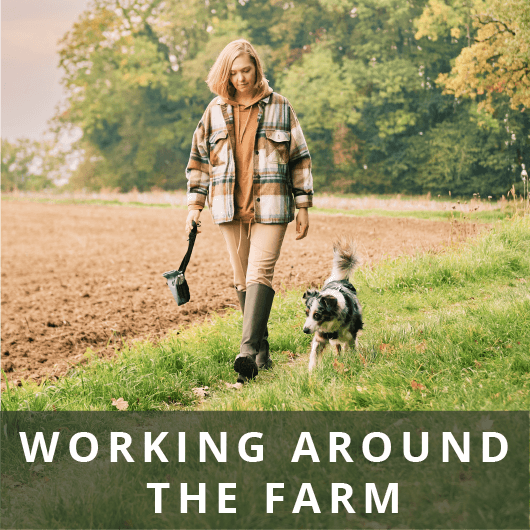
point(246, 126)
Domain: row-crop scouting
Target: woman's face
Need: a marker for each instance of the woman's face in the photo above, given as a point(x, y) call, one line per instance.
point(243, 74)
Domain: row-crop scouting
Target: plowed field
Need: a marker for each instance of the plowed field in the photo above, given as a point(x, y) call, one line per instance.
point(79, 276)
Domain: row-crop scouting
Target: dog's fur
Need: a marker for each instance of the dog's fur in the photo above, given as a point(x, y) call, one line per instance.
point(334, 314)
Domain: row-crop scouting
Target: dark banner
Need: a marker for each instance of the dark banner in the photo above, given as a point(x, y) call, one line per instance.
point(264, 470)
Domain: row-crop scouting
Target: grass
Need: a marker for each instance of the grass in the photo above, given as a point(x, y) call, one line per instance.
point(444, 331)
point(484, 216)
point(96, 202)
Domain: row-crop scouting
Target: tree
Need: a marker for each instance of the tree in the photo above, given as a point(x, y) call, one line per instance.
point(365, 81)
point(496, 59)
point(29, 165)
point(125, 91)
point(365, 86)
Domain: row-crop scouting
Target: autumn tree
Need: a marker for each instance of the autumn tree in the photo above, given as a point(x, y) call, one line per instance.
point(496, 59)
point(366, 81)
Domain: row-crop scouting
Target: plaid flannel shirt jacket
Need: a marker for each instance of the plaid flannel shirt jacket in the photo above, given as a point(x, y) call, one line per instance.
point(282, 164)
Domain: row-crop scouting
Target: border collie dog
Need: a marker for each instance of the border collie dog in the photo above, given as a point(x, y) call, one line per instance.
point(334, 314)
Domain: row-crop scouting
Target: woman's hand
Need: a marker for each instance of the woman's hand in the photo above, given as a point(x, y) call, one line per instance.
point(193, 215)
point(302, 223)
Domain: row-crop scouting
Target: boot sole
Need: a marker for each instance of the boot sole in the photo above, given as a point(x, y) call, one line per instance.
point(246, 366)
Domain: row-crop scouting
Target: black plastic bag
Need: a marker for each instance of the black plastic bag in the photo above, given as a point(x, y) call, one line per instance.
point(175, 279)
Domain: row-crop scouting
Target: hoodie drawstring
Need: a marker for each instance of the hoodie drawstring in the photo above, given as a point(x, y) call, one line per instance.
point(248, 234)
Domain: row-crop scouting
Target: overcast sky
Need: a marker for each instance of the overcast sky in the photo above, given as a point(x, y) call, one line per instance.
point(30, 73)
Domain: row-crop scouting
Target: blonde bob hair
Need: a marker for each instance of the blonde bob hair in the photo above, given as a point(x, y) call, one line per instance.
point(218, 79)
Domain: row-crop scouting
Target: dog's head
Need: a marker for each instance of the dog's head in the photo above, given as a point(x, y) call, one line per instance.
point(320, 310)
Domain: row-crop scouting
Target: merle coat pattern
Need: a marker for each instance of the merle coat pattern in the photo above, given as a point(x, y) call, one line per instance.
point(334, 314)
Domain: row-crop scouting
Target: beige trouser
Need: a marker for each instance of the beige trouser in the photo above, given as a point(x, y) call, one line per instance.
point(254, 250)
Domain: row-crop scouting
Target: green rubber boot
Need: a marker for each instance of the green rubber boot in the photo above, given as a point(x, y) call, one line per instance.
point(258, 303)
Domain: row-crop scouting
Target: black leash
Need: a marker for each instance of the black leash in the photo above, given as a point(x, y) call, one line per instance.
point(191, 239)
point(176, 280)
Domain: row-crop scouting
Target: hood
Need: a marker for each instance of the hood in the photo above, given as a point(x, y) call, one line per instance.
point(263, 91)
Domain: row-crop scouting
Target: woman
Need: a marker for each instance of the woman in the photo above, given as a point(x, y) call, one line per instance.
point(250, 158)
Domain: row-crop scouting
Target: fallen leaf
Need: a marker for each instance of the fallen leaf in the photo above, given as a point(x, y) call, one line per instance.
point(420, 348)
point(387, 348)
point(417, 386)
point(363, 360)
point(339, 367)
point(234, 385)
point(120, 403)
point(201, 391)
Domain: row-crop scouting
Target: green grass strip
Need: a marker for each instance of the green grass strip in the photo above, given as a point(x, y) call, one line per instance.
point(443, 331)
point(96, 202)
point(487, 216)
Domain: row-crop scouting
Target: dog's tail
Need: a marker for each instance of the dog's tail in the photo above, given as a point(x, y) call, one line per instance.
point(345, 259)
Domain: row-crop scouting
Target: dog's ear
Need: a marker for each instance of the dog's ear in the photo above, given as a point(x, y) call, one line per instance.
point(310, 293)
point(330, 302)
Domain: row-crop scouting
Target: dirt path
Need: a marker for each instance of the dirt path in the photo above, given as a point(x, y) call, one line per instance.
point(89, 276)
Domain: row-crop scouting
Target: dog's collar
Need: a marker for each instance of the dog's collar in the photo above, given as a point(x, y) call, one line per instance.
point(340, 285)
point(330, 335)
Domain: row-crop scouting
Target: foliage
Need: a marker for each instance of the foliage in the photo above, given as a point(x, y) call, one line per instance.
point(125, 92)
point(466, 152)
point(366, 88)
point(366, 83)
point(496, 58)
point(390, 128)
point(28, 165)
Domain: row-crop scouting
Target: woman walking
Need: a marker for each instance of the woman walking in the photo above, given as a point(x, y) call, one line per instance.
point(250, 159)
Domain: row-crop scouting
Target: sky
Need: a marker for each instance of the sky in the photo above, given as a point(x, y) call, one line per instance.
point(30, 76)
